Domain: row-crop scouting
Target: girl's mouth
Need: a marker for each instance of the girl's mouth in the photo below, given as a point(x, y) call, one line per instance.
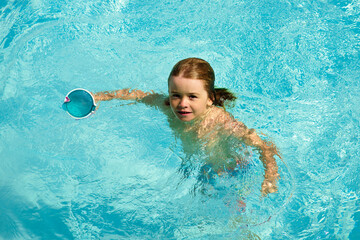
point(183, 113)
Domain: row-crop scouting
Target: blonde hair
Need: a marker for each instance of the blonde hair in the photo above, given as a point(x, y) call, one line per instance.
point(196, 68)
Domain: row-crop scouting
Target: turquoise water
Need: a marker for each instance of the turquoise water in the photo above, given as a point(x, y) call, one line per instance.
point(293, 64)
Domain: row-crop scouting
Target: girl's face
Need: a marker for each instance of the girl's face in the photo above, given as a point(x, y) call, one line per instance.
point(188, 98)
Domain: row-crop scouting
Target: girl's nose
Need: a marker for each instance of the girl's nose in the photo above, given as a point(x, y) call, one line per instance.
point(183, 103)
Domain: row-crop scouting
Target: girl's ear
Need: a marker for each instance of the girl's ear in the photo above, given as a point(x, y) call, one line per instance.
point(209, 102)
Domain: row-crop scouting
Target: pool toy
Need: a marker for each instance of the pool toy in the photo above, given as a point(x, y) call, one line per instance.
point(79, 103)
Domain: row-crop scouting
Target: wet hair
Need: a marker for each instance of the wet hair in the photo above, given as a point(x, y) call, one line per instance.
point(197, 68)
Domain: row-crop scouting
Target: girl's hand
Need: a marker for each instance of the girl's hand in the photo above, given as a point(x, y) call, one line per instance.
point(268, 186)
point(97, 98)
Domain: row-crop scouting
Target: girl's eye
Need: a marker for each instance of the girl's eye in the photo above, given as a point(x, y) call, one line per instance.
point(192, 97)
point(175, 95)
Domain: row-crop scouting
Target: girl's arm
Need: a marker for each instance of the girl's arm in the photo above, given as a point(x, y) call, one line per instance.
point(124, 94)
point(149, 98)
point(267, 151)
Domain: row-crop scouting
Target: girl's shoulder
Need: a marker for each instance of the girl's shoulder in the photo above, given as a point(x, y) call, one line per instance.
point(216, 121)
point(219, 118)
point(215, 116)
point(220, 115)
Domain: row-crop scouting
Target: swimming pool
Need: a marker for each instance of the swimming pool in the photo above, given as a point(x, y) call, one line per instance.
point(293, 64)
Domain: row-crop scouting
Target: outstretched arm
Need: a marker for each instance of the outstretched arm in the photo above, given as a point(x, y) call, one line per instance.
point(148, 98)
point(124, 94)
point(267, 151)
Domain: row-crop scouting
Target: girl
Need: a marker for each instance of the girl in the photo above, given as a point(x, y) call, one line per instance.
point(196, 113)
